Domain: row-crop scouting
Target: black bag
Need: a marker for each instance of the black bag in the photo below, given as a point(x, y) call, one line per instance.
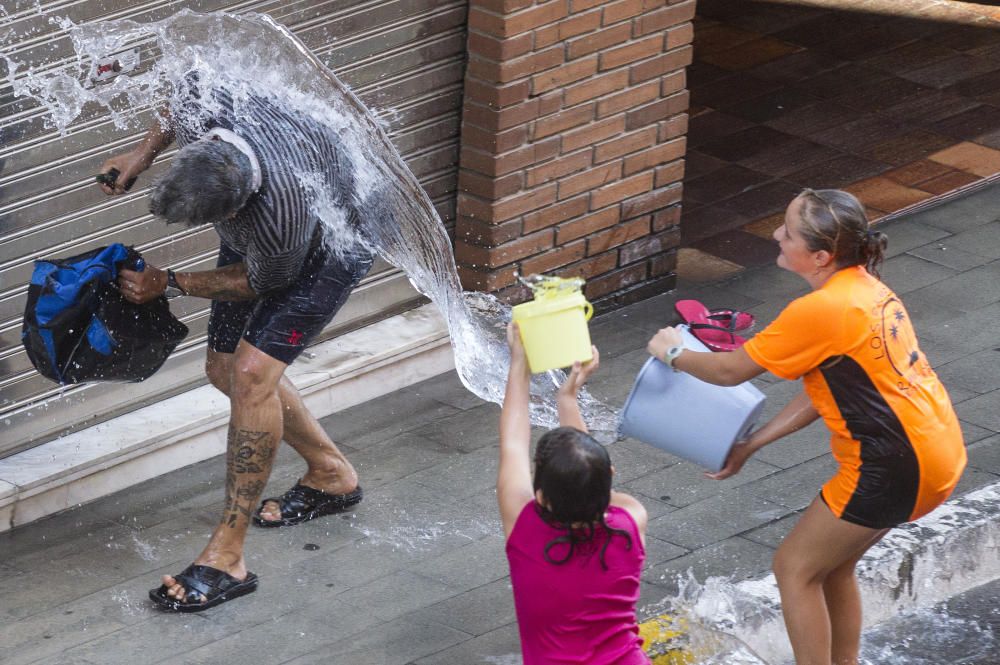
point(78, 327)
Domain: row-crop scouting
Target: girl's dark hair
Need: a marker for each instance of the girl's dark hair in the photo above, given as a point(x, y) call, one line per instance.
point(573, 472)
point(835, 221)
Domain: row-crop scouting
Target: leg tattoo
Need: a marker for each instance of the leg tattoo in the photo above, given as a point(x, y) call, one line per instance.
point(247, 454)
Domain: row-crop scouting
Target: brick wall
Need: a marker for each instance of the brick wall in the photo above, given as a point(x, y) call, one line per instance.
point(573, 139)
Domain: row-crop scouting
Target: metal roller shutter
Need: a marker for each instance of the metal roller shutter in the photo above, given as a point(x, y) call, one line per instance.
point(404, 58)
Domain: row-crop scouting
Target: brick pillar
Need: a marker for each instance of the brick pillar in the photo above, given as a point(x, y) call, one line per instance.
point(573, 138)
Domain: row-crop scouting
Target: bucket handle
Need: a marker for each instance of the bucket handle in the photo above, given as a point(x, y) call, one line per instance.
point(588, 311)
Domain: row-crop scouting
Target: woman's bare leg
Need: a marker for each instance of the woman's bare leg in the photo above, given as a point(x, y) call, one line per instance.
point(819, 546)
point(843, 602)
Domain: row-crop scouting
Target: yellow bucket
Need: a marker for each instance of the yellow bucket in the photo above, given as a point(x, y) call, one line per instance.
point(554, 325)
point(665, 640)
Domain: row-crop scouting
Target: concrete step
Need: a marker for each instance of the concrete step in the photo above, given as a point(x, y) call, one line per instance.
point(191, 427)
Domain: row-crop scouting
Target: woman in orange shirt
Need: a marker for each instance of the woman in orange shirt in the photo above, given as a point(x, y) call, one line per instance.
point(894, 432)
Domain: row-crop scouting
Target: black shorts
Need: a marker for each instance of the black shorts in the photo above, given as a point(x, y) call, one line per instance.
point(282, 323)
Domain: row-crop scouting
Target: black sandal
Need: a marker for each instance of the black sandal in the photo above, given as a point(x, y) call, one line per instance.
point(215, 585)
point(301, 504)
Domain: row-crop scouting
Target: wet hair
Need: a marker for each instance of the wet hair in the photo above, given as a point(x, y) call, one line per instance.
point(207, 181)
point(835, 221)
point(573, 472)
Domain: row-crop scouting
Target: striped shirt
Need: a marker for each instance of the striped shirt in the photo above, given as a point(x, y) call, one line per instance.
point(277, 227)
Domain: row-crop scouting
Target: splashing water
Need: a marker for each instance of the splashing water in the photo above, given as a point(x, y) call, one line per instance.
point(715, 617)
point(252, 55)
point(705, 616)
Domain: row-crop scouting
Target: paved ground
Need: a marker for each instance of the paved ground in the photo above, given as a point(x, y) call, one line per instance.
point(883, 98)
point(417, 574)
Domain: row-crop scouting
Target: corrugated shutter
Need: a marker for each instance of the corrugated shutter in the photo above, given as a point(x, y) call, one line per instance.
point(404, 58)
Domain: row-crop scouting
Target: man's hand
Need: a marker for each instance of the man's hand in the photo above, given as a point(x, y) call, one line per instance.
point(131, 164)
point(579, 374)
point(128, 165)
point(141, 287)
point(664, 339)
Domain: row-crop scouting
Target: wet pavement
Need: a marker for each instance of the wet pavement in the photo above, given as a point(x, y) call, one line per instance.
point(963, 631)
point(417, 574)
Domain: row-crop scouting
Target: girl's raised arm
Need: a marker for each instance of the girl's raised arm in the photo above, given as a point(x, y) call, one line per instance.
point(569, 407)
point(514, 488)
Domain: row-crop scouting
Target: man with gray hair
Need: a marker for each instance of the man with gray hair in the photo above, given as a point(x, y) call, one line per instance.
point(276, 287)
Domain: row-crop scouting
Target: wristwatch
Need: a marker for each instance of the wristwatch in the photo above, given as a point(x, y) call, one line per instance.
point(173, 288)
point(670, 355)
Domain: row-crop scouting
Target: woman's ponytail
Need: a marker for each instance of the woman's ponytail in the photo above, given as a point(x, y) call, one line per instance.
point(872, 251)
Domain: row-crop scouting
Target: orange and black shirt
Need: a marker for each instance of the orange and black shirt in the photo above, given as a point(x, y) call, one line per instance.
point(895, 433)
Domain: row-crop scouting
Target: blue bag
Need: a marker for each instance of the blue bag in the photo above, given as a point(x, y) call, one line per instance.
point(78, 327)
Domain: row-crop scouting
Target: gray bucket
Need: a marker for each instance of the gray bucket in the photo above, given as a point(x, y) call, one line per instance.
point(687, 417)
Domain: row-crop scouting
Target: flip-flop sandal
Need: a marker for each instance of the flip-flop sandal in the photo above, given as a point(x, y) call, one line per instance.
point(715, 337)
point(215, 585)
point(732, 320)
point(301, 504)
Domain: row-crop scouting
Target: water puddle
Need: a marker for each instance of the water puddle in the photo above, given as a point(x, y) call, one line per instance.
point(506, 659)
point(239, 53)
point(929, 637)
point(144, 549)
point(404, 531)
point(133, 607)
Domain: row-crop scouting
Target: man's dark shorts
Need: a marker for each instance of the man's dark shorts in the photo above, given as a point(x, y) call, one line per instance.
point(282, 323)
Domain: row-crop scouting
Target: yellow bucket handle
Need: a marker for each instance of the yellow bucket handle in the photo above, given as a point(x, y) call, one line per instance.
point(545, 286)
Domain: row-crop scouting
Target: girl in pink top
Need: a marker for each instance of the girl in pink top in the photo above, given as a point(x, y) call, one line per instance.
point(575, 547)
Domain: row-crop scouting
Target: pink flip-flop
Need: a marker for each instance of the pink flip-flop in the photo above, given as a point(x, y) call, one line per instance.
point(715, 328)
point(693, 311)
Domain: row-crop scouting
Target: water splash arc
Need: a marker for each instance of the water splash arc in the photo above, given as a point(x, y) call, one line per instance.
point(253, 55)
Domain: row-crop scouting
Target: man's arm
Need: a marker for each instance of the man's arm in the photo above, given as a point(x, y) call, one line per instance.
point(130, 164)
point(225, 283)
